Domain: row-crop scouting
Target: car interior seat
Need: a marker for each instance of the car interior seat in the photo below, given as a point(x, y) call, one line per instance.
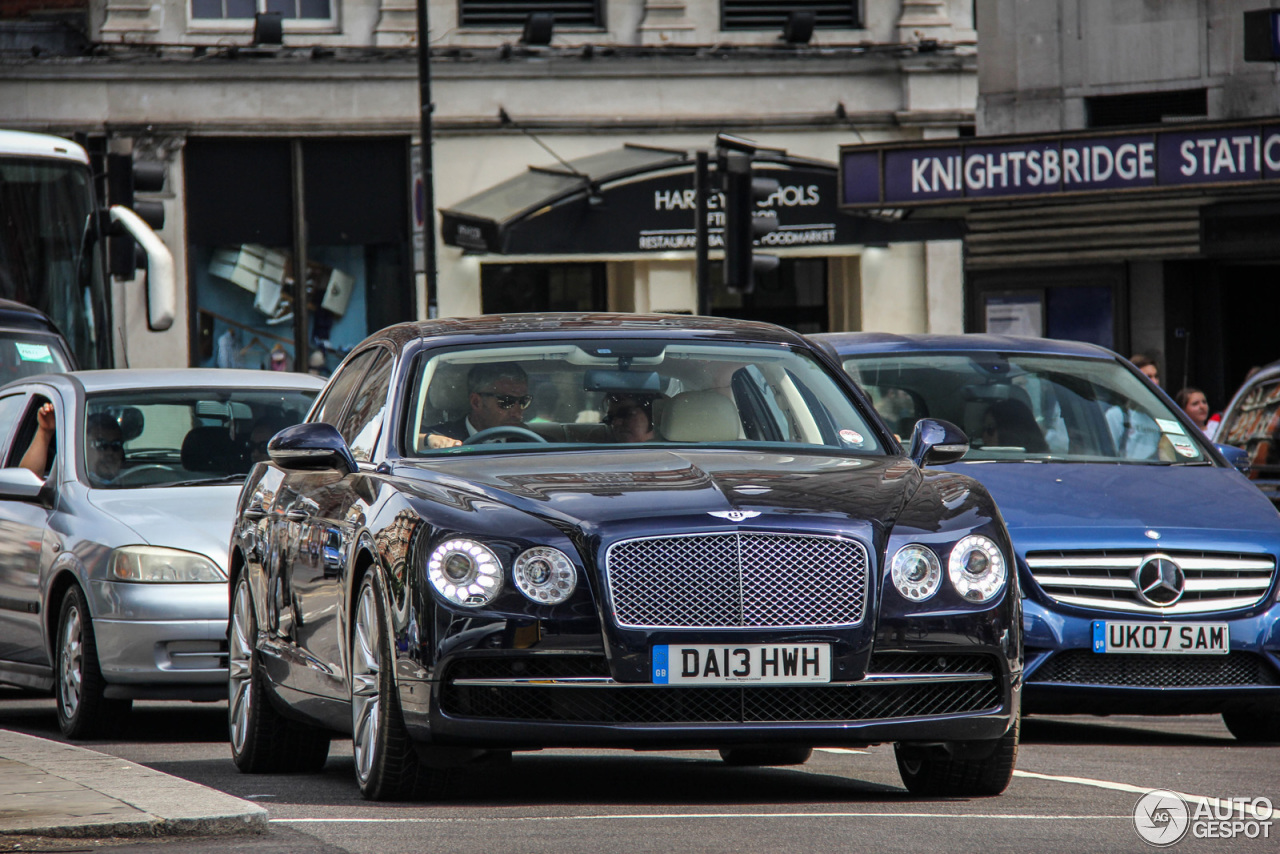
point(210, 450)
point(700, 416)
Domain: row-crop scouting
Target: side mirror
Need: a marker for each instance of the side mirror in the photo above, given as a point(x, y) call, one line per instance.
point(1237, 457)
point(937, 442)
point(311, 447)
point(19, 484)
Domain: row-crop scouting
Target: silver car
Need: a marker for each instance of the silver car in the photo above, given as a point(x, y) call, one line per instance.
point(113, 539)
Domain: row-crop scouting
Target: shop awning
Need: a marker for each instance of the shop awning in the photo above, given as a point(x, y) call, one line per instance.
point(641, 199)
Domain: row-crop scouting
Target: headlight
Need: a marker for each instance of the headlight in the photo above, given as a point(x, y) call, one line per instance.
point(465, 572)
point(916, 572)
point(545, 575)
point(976, 568)
point(163, 566)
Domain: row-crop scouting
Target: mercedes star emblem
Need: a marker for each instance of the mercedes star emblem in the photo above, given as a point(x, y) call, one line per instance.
point(1160, 580)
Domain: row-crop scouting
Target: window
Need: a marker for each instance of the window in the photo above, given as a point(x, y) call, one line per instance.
point(341, 387)
point(363, 421)
point(514, 13)
point(772, 14)
point(1145, 108)
point(290, 10)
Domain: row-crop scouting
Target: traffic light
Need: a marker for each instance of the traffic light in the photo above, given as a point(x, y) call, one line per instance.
point(124, 178)
point(744, 223)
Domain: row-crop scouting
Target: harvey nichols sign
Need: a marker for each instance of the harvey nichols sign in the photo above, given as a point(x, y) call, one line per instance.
point(1060, 165)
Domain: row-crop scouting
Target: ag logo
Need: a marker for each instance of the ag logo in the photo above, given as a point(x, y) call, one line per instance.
point(734, 515)
point(1161, 817)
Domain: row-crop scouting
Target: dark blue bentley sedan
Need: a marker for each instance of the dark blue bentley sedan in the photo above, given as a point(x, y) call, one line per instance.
point(511, 533)
point(1148, 562)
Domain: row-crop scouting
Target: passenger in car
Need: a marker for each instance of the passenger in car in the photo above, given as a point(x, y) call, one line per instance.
point(498, 395)
point(630, 416)
point(36, 458)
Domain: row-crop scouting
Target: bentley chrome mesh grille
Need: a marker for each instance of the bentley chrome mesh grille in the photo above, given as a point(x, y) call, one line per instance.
point(1105, 580)
point(737, 580)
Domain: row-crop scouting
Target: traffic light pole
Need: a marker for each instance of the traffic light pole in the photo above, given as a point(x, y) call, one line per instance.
point(701, 190)
point(428, 179)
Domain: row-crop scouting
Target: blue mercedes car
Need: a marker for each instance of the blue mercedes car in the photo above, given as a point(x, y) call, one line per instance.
point(1147, 561)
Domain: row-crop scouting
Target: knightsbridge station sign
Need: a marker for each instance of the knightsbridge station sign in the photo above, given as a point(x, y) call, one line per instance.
point(1018, 167)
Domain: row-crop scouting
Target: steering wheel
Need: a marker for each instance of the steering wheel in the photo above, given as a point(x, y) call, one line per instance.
point(502, 431)
point(132, 475)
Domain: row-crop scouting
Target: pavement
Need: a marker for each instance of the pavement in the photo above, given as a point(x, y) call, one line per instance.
point(48, 788)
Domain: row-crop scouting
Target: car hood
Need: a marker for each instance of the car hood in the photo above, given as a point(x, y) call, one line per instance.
point(193, 518)
point(1093, 506)
point(601, 488)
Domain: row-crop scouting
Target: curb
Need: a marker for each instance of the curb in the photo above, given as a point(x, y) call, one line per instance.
point(56, 789)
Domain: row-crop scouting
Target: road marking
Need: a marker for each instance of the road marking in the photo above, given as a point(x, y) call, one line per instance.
point(652, 816)
point(1125, 787)
point(839, 750)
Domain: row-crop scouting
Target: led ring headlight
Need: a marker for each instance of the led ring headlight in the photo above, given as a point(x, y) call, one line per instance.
point(977, 568)
point(916, 572)
point(465, 572)
point(545, 575)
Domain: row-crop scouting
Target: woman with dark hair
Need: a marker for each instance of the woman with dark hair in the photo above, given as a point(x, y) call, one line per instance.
point(1195, 404)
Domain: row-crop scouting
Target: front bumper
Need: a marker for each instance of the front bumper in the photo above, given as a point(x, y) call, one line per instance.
point(161, 641)
point(1065, 676)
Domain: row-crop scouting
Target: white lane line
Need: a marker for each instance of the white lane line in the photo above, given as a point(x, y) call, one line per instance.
point(1137, 790)
point(734, 815)
point(840, 750)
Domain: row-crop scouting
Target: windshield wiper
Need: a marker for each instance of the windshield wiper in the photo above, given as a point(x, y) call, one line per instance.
point(199, 481)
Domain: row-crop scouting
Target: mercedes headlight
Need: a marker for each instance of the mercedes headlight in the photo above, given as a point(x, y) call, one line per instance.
point(545, 575)
point(916, 572)
point(977, 568)
point(163, 566)
point(465, 572)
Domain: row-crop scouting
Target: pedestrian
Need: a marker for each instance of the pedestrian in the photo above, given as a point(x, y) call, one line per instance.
point(1195, 404)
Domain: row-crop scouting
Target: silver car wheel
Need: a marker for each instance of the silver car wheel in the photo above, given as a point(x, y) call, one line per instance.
point(366, 666)
point(239, 668)
point(71, 662)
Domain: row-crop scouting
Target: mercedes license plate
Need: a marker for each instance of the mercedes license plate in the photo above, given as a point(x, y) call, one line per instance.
point(762, 663)
point(1186, 638)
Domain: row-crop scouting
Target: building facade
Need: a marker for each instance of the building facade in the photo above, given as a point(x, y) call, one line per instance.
point(292, 146)
point(1123, 186)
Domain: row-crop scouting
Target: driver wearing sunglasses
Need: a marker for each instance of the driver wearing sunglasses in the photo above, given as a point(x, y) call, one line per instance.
point(498, 396)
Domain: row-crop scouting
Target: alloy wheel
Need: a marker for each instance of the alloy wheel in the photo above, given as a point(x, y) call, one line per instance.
point(240, 668)
point(366, 666)
point(71, 662)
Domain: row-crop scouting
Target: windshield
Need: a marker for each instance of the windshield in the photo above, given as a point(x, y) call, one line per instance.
point(179, 436)
point(23, 354)
point(47, 257)
point(646, 392)
point(1029, 407)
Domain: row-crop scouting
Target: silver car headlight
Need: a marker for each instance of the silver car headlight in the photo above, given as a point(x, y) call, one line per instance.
point(163, 566)
point(916, 572)
point(977, 568)
point(465, 572)
point(545, 575)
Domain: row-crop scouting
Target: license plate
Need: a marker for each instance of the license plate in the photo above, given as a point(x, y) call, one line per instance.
point(772, 664)
point(1178, 638)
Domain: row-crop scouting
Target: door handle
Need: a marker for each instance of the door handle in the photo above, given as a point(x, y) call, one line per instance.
point(297, 515)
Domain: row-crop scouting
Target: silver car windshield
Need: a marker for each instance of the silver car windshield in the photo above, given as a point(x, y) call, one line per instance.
point(637, 392)
point(1029, 407)
point(174, 437)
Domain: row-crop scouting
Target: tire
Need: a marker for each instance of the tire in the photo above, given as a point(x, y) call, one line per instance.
point(1255, 724)
point(387, 765)
point(762, 754)
point(935, 772)
point(262, 740)
point(83, 709)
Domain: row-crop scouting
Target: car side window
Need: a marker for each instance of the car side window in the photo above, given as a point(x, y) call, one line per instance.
point(11, 407)
point(363, 420)
point(341, 386)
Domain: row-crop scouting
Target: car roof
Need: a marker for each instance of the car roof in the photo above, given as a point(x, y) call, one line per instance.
point(16, 315)
point(850, 343)
point(594, 324)
point(142, 379)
